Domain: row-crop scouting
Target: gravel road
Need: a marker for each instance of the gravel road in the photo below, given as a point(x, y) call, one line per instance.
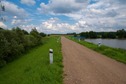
point(85, 66)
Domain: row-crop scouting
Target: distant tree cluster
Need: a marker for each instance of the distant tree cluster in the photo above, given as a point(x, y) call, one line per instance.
point(15, 42)
point(74, 34)
point(118, 34)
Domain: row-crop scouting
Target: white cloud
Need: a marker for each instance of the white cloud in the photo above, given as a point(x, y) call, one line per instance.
point(101, 15)
point(17, 21)
point(104, 15)
point(62, 6)
point(81, 1)
point(54, 25)
point(14, 10)
point(28, 2)
point(28, 27)
point(15, 17)
point(2, 25)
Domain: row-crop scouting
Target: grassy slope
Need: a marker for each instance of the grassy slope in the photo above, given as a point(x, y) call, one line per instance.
point(34, 67)
point(117, 54)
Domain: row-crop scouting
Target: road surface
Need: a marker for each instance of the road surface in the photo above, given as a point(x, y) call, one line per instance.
point(85, 66)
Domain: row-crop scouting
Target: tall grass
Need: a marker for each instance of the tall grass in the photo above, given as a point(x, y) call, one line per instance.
point(114, 53)
point(34, 67)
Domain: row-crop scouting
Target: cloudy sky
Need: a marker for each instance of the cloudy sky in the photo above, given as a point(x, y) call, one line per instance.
point(64, 16)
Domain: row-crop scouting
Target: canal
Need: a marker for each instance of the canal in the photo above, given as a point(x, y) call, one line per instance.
point(115, 43)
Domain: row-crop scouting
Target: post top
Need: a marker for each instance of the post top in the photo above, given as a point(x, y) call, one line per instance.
point(51, 50)
point(99, 42)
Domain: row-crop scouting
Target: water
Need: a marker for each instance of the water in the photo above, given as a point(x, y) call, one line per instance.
point(115, 43)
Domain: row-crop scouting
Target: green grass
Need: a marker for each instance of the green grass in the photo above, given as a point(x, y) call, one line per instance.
point(114, 53)
point(34, 67)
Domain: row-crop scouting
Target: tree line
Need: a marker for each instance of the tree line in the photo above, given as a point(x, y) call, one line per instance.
point(120, 34)
point(15, 42)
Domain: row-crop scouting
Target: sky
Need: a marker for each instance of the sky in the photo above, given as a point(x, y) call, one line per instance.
point(64, 16)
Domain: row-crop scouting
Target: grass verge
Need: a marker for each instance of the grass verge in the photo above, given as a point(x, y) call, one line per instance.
point(114, 53)
point(34, 67)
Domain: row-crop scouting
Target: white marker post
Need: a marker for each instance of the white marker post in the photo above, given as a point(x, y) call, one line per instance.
point(99, 44)
point(51, 55)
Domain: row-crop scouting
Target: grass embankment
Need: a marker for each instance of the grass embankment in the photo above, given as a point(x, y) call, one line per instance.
point(34, 67)
point(114, 53)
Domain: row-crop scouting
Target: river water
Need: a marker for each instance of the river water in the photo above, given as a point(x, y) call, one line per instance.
point(115, 43)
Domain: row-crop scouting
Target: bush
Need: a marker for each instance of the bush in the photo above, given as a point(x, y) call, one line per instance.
point(15, 42)
point(2, 63)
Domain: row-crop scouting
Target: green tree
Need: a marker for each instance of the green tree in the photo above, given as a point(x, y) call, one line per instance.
point(14, 42)
point(20, 35)
point(37, 36)
point(25, 32)
point(75, 35)
point(111, 35)
point(121, 33)
point(42, 34)
point(84, 34)
point(3, 48)
point(92, 34)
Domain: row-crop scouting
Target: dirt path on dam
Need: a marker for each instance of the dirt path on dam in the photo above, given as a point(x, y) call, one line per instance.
point(85, 66)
